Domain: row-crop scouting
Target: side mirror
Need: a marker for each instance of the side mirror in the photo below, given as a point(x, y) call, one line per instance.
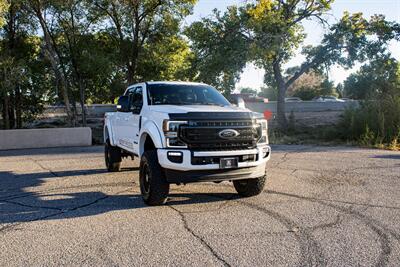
point(123, 104)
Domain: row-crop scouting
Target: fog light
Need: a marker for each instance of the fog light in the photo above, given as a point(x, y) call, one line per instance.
point(175, 156)
point(265, 151)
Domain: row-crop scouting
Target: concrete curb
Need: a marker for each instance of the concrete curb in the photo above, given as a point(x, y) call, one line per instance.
point(46, 137)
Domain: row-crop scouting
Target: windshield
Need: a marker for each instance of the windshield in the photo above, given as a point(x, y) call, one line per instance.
point(184, 94)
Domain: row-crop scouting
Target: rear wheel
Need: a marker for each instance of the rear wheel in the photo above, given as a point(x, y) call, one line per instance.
point(250, 187)
point(153, 185)
point(112, 156)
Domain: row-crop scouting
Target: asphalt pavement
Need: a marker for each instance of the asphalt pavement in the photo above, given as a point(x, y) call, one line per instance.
point(322, 206)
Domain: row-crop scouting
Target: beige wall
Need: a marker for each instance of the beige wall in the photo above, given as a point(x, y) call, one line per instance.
point(40, 138)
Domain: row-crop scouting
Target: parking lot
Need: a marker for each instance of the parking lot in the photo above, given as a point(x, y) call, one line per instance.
point(334, 206)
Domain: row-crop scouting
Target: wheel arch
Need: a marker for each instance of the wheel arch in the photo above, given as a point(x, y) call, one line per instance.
point(107, 130)
point(150, 138)
point(105, 133)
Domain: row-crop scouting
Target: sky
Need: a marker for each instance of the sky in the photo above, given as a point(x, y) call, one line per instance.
point(253, 77)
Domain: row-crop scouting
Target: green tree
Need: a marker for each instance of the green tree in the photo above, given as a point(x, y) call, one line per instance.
point(327, 88)
point(276, 32)
point(340, 90)
point(21, 93)
point(39, 9)
point(101, 71)
point(134, 23)
point(72, 27)
point(376, 121)
point(378, 77)
point(220, 49)
point(269, 92)
point(95, 47)
point(307, 86)
point(248, 90)
point(271, 33)
point(3, 9)
point(74, 38)
point(166, 55)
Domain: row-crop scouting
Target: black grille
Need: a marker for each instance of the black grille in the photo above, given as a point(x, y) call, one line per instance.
point(204, 135)
point(221, 123)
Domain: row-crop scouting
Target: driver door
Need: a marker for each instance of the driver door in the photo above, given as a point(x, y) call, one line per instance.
point(130, 121)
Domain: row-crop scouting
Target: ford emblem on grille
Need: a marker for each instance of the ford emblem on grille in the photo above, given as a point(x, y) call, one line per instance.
point(228, 134)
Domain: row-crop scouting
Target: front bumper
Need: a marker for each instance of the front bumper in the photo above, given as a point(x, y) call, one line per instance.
point(177, 177)
point(187, 165)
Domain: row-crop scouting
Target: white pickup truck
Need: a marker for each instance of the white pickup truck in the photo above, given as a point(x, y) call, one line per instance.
point(184, 133)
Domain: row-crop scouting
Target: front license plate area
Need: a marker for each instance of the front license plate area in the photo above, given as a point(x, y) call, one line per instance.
point(228, 163)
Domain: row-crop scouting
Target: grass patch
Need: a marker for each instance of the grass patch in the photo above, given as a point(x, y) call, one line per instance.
point(321, 135)
point(327, 136)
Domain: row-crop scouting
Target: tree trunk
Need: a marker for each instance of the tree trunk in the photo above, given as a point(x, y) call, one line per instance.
point(132, 65)
point(3, 115)
point(11, 113)
point(82, 102)
point(64, 92)
point(55, 64)
point(6, 114)
point(13, 100)
point(18, 108)
point(281, 110)
point(73, 110)
point(133, 57)
point(130, 73)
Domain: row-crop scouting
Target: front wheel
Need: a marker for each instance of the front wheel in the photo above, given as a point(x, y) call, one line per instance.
point(153, 184)
point(250, 187)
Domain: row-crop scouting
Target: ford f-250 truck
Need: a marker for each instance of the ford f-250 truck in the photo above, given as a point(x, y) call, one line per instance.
point(184, 133)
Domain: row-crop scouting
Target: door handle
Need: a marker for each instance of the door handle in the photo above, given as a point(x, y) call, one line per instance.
point(126, 119)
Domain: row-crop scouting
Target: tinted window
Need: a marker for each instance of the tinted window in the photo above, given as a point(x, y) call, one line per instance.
point(182, 94)
point(136, 98)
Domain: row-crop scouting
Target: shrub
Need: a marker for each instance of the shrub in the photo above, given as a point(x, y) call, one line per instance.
point(374, 122)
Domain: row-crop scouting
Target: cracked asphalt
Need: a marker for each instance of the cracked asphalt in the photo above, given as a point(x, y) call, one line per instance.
point(322, 206)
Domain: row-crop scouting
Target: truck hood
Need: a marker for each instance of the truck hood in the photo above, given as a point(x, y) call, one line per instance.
point(194, 108)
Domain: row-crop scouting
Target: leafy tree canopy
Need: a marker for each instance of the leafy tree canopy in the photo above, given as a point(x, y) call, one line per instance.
point(220, 51)
point(380, 76)
point(87, 51)
point(137, 25)
point(248, 90)
point(269, 32)
point(3, 9)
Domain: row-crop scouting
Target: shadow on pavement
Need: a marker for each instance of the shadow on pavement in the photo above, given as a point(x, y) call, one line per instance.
point(10, 182)
point(18, 204)
point(392, 156)
point(51, 151)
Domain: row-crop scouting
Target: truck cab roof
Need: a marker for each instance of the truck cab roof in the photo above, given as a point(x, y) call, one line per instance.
point(173, 82)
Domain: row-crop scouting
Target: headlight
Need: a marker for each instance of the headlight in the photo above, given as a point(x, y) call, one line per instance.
point(171, 129)
point(264, 131)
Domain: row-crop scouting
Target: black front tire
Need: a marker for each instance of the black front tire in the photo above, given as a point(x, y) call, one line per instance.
point(250, 187)
point(112, 155)
point(153, 184)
